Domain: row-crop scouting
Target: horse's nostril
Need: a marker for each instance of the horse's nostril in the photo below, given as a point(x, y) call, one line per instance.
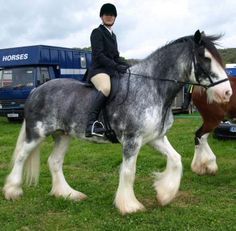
point(228, 93)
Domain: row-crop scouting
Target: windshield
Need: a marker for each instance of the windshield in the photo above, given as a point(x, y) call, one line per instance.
point(17, 77)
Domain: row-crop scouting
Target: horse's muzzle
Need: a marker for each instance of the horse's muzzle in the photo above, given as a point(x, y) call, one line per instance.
point(226, 96)
point(223, 97)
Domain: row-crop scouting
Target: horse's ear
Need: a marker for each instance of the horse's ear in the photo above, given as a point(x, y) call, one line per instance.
point(197, 37)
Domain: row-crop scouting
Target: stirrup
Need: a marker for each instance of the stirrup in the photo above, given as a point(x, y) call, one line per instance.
point(99, 125)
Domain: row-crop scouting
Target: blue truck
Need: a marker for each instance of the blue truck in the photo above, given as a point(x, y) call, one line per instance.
point(25, 68)
point(230, 69)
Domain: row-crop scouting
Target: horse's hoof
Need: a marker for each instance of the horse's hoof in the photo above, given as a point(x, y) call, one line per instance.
point(127, 207)
point(12, 192)
point(164, 200)
point(212, 169)
point(132, 209)
point(205, 170)
point(71, 195)
point(77, 196)
point(198, 170)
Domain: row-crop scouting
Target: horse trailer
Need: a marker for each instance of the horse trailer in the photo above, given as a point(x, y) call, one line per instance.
point(24, 68)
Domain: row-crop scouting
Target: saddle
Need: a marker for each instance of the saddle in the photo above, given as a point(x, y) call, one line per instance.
point(115, 83)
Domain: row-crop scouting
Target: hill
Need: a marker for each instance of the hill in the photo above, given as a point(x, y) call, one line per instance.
point(228, 55)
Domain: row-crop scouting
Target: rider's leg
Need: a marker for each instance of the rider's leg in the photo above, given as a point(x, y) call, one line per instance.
point(187, 97)
point(103, 84)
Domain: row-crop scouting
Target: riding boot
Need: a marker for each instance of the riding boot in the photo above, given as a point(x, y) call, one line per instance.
point(187, 100)
point(94, 127)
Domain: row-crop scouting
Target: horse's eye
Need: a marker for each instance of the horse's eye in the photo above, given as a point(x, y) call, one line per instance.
point(206, 63)
point(206, 59)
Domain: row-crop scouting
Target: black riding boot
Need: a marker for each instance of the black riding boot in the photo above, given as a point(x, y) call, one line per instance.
point(94, 127)
point(187, 100)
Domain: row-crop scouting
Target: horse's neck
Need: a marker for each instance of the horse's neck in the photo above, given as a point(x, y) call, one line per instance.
point(149, 79)
point(159, 75)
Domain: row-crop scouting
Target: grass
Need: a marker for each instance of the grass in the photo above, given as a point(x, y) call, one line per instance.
point(203, 203)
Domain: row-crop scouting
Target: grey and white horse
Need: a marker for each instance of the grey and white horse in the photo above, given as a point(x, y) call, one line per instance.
point(60, 108)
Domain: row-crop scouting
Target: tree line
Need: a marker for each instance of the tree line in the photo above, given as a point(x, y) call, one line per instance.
point(228, 55)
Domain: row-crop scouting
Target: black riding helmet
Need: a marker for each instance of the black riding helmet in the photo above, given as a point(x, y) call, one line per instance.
point(108, 9)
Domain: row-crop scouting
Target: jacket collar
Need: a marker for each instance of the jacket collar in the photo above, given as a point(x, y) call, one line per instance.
point(110, 30)
point(104, 29)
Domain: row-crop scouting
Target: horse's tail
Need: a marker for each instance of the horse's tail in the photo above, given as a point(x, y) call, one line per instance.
point(19, 143)
point(32, 167)
point(32, 164)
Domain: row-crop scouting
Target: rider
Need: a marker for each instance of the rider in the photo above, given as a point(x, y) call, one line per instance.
point(106, 62)
point(187, 96)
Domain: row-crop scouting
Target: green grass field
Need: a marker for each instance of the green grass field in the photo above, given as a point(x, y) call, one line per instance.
point(203, 203)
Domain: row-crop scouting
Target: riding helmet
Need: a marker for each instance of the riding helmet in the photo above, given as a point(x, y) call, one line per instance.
point(109, 9)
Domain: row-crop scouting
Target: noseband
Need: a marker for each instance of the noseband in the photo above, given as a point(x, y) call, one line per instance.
point(199, 70)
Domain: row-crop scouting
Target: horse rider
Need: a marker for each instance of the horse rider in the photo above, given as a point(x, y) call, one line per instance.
point(187, 96)
point(106, 63)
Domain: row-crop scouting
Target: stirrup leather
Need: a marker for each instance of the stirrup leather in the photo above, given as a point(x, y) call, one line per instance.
point(98, 125)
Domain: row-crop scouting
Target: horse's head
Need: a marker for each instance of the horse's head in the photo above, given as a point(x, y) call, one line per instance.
point(208, 69)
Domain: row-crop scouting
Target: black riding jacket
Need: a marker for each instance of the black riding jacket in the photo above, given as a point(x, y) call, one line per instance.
point(105, 54)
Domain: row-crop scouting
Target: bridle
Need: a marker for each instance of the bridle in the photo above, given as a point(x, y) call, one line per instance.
point(198, 71)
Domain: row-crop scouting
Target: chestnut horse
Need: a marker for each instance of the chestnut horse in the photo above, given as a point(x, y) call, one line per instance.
point(204, 160)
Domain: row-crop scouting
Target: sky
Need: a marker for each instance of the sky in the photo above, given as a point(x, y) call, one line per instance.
point(141, 26)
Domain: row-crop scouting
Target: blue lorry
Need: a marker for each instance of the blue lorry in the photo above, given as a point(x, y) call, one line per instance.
point(230, 69)
point(24, 68)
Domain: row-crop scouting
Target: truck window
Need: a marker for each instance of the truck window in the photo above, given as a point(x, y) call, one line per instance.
point(0, 78)
point(44, 75)
point(17, 77)
point(83, 61)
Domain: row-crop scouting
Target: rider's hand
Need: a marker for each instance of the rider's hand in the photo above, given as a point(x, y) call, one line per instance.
point(121, 68)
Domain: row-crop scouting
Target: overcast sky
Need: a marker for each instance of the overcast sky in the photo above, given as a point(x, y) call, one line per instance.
point(141, 26)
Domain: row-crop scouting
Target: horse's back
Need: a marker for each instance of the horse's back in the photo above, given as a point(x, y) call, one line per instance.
point(58, 104)
point(57, 91)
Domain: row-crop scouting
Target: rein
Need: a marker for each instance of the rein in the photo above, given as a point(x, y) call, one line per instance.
point(212, 84)
point(161, 79)
point(198, 71)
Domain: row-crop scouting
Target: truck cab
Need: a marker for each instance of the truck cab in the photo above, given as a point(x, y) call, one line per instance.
point(25, 68)
point(230, 69)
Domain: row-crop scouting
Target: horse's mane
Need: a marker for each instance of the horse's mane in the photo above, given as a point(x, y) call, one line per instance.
point(208, 41)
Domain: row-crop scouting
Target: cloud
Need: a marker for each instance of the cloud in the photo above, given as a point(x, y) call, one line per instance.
point(140, 28)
